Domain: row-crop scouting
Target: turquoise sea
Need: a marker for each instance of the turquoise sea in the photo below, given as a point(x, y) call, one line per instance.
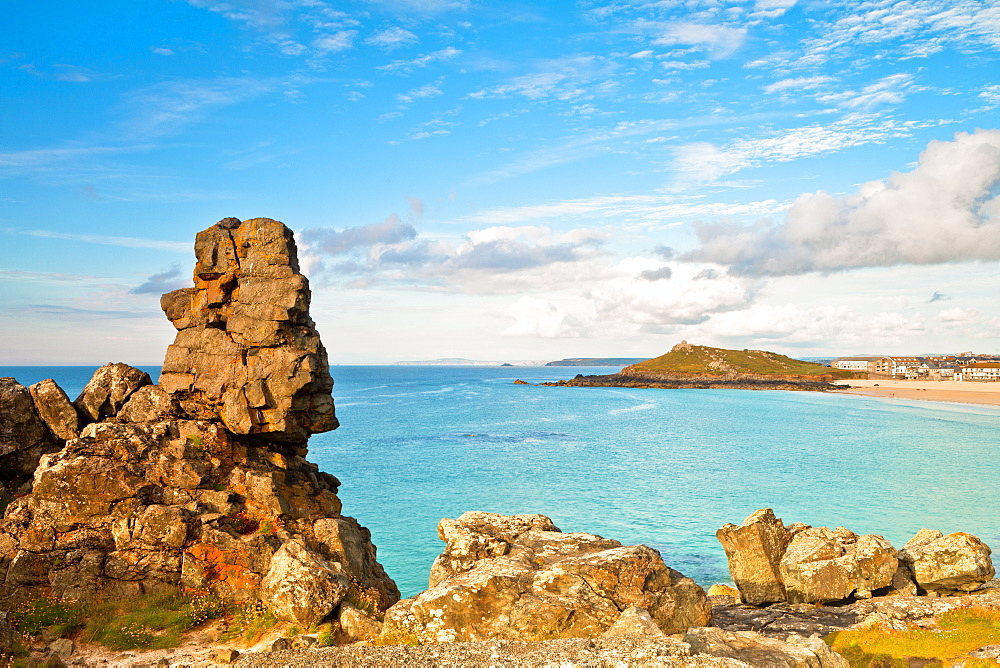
point(660, 467)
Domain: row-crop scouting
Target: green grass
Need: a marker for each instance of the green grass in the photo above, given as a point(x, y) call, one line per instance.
point(32, 618)
point(248, 622)
point(699, 360)
point(958, 632)
point(155, 621)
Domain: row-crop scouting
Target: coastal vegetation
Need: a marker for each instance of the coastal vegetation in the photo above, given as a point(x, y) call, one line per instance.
point(956, 634)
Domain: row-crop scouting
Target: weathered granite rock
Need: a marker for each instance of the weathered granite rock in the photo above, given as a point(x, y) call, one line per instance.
point(754, 551)
point(108, 390)
point(757, 650)
point(55, 409)
point(634, 621)
point(246, 350)
point(24, 436)
point(829, 565)
point(477, 535)
point(302, 588)
point(148, 404)
point(956, 562)
point(518, 577)
point(357, 624)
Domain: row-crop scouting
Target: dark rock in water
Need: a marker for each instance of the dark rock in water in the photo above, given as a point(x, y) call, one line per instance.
point(24, 436)
point(246, 352)
point(163, 492)
point(108, 390)
point(55, 409)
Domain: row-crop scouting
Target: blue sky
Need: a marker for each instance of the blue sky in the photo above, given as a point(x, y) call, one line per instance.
point(503, 180)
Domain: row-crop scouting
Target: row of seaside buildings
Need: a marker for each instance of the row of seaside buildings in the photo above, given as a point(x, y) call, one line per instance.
point(964, 366)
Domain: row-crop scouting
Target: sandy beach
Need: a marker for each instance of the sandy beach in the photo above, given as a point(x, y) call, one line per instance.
point(927, 390)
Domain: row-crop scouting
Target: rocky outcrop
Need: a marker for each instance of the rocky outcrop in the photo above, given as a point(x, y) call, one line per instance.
point(754, 550)
point(822, 565)
point(519, 577)
point(108, 390)
point(958, 561)
point(159, 492)
point(756, 650)
point(24, 436)
point(770, 562)
point(55, 409)
point(246, 352)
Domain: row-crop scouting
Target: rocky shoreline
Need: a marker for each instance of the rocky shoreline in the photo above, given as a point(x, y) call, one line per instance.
point(701, 382)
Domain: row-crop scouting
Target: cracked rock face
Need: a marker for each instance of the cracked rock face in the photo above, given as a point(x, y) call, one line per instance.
point(247, 352)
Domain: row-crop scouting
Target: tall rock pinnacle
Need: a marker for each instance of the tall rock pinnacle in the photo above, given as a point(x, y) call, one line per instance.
point(246, 350)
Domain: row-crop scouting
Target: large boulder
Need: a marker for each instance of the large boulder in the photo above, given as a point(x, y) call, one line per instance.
point(754, 551)
point(748, 648)
point(301, 587)
point(108, 390)
point(956, 562)
point(821, 565)
point(520, 578)
point(24, 436)
point(55, 409)
point(246, 351)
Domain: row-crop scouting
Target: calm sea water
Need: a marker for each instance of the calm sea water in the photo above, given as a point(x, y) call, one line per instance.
point(660, 467)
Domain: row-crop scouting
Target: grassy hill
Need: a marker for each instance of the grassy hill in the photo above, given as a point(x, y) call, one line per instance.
point(685, 358)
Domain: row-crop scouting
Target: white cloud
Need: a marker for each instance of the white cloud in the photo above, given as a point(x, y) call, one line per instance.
point(653, 211)
point(796, 84)
point(890, 90)
point(690, 295)
point(719, 41)
point(790, 324)
point(392, 38)
point(945, 210)
point(915, 27)
point(701, 162)
point(334, 42)
point(163, 108)
point(125, 242)
point(960, 317)
point(568, 78)
point(536, 317)
point(425, 91)
point(441, 55)
point(772, 8)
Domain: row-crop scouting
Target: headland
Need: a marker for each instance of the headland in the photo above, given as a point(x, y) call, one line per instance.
point(703, 367)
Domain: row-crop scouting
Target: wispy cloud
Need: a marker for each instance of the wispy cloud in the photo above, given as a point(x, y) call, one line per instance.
point(719, 41)
point(702, 162)
point(125, 242)
point(405, 66)
point(62, 72)
point(391, 38)
point(890, 90)
point(163, 108)
point(432, 89)
point(568, 78)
